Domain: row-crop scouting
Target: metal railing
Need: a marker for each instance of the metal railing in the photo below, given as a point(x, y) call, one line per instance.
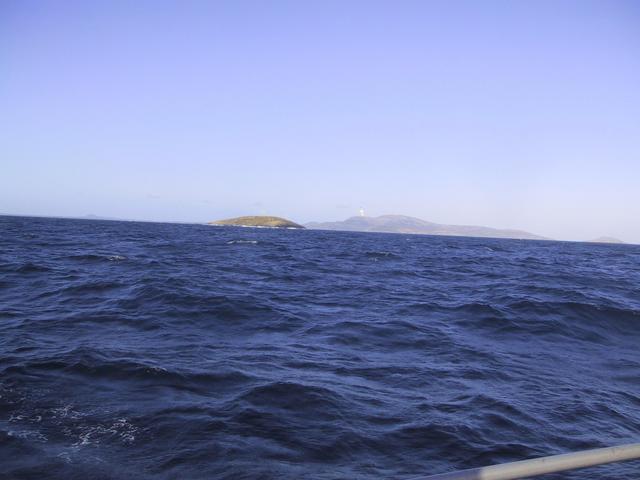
point(540, 466)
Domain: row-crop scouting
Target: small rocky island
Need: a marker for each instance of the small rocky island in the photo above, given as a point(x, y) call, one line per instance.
point(605, 240)
point(257, 221)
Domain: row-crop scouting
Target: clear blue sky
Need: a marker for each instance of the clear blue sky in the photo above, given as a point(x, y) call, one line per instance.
point(500, 113)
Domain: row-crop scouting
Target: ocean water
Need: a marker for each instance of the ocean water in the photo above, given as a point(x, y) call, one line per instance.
point(162, 351)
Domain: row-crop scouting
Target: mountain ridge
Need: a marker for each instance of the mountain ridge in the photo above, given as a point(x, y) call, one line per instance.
point(414, 225)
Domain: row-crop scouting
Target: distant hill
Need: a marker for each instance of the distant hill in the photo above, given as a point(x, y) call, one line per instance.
point(404, 224)
point(257, 221)
point(605, 240)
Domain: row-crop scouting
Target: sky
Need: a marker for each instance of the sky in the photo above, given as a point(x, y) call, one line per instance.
point(506, 114)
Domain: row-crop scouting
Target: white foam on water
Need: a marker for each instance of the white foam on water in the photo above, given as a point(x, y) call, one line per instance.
point(121, 429)
point(67, 412)
point(28, 435)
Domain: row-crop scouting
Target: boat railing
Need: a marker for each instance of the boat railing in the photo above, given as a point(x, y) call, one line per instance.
point(543, 465)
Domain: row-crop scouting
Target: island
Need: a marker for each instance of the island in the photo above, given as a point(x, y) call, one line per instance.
point(412, 225)
point(257, 221)
point(605, 240)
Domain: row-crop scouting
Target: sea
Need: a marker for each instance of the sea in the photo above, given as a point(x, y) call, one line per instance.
point(133, 350)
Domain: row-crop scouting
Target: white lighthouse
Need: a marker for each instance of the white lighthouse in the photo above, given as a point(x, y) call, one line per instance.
point(361, 212)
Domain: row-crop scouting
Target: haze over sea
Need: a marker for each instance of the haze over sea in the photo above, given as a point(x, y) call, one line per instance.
point(165, 351)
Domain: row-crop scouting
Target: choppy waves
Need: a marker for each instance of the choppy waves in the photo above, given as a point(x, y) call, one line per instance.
point(133, 350)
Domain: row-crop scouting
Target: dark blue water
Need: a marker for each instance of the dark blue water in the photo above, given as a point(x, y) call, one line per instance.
point(140, 350)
